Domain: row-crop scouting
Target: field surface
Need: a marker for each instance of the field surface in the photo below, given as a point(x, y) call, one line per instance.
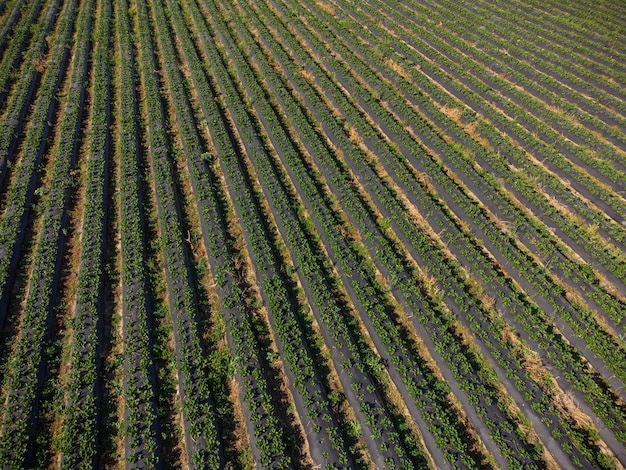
point(312, 234)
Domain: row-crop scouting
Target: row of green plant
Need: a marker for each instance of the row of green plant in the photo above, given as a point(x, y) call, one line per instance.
point(553, 60)
point(566, 42)
point(416, 377)
point(500, 49)
point(15, 109)
point(540, 239)
point(82, 418)
point(602, 342)
point(355, 360)
point(10, 18)
point(536, 132)
point(612, 305)
point(474, 93)
point(142, 440)
point(506, 244)
point(598, 30)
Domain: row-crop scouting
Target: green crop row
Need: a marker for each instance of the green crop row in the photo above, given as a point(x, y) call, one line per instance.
point(81, 423)
point(141, 426)
point(283, 312)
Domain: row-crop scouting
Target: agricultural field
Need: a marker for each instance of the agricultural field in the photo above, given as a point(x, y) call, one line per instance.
point(312, 234)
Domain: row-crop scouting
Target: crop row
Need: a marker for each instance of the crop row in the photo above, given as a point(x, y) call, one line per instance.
point(575, 316)
point(530, 110)
point(476, 103)
point(560, 44)
point(28, 365)
point(405, 366)
point(314, 407)
point(578, 29)
point(9, 20)
point(289, 233)
point(397, 275)
point(267, 438)
point(472, 213)
point(599, 114)
point(322, 300)
point(567, 228)
point(142, 441)
point(440, 147)
point(312, 267)
point(526, 67)
point(539, 240)
point(447, 66)
point(82, 419)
